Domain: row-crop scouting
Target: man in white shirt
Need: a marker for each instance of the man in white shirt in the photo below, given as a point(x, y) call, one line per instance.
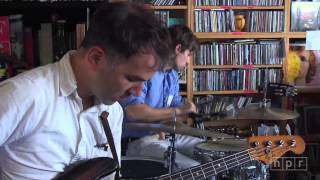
point(49, 116)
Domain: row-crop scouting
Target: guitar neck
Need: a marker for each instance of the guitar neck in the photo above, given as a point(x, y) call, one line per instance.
point(212, 168)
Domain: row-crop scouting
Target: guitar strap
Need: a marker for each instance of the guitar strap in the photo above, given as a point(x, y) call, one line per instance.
point(104, 120)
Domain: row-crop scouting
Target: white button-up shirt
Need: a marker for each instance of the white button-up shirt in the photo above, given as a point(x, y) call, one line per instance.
point(43, 127)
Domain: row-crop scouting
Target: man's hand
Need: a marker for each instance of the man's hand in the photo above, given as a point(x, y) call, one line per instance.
point(162, 135)
point(188, 107)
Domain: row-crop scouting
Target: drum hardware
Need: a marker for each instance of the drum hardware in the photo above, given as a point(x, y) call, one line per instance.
point(137, 168)
point(206, 117)
point(231, 130)
point(170, 154)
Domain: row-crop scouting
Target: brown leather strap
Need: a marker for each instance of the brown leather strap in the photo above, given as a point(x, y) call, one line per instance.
point(104, 120)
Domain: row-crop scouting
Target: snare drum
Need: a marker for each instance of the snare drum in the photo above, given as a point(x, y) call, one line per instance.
point(134, 168)
point(213, 150)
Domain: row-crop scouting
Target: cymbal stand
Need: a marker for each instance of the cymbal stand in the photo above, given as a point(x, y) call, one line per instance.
point(264, 102)
point(170, 154)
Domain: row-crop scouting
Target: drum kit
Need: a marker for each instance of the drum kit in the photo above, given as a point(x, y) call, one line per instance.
point(220, 143)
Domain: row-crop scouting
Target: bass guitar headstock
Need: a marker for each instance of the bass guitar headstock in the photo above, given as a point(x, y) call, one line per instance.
point(269, 148)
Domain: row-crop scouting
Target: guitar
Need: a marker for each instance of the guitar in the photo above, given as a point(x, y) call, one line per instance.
point(95, 169)
point(263, 148)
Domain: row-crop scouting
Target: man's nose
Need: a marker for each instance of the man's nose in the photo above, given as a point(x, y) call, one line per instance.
point(136, 89)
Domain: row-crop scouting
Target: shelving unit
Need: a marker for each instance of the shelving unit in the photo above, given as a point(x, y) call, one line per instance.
point(218, 36)
point(188, 12)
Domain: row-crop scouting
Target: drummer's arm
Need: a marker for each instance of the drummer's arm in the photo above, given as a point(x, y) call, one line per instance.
point(144, 112)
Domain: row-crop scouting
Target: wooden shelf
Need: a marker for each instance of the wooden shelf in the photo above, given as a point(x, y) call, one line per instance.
point(239, 35)
point(183, 93)
point(169, 7)
point(225, 92)
point(241, 7)
point(235, 66)
point(297, 35)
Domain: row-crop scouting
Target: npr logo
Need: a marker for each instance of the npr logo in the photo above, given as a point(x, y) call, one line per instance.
point(290, 164)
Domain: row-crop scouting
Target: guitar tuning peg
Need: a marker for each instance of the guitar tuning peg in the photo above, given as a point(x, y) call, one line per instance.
point(288, 129)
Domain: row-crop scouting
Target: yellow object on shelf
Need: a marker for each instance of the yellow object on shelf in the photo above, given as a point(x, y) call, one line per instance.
point(293, 68)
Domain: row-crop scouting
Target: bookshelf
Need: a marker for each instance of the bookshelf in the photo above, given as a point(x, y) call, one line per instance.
point(46, 29)
point(31, 10)
point(214, 34)
point(285, 34)
point(69, 14)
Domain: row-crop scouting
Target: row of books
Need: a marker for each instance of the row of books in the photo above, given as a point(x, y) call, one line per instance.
point(13, 39)
point(32, 46)
point(223, 20)
point(55, 39)
point(167, 2)
point(51, 0)
point(264, 21)
point(240, 52)
point(217, 104)
point(167, 20)
point(214, 20)
point(238, 2)
point(234, 79)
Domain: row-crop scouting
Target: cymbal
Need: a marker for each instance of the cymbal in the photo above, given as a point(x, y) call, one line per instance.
point(266, 114)
point(225, 145)
point(172, 127)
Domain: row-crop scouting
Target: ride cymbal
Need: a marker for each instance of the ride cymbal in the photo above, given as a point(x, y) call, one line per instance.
point(171, 127)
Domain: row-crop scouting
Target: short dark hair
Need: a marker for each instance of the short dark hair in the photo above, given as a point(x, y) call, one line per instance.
point(125, 29)
point(181, 34)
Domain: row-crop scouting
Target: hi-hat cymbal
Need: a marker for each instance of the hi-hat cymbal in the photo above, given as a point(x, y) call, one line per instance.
point(229, 145)
point(172, 127)
point(266, 114)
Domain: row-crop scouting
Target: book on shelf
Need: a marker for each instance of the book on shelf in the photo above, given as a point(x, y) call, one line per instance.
point(5, 43)
point(16, 36)
point(5, 46)
point(59, 39)
point(29, 46)
point(303, 65)
point(45, 44)
point(168, 19)
point(80, 33)
point(305, 16)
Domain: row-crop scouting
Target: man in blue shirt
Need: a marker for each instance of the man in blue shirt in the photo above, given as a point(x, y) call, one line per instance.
point(160, 99)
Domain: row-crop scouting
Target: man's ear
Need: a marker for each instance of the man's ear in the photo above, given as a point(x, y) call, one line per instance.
point(178, 48)
point(95, 56)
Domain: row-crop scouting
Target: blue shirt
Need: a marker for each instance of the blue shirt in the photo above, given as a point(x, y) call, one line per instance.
point(161, 91)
